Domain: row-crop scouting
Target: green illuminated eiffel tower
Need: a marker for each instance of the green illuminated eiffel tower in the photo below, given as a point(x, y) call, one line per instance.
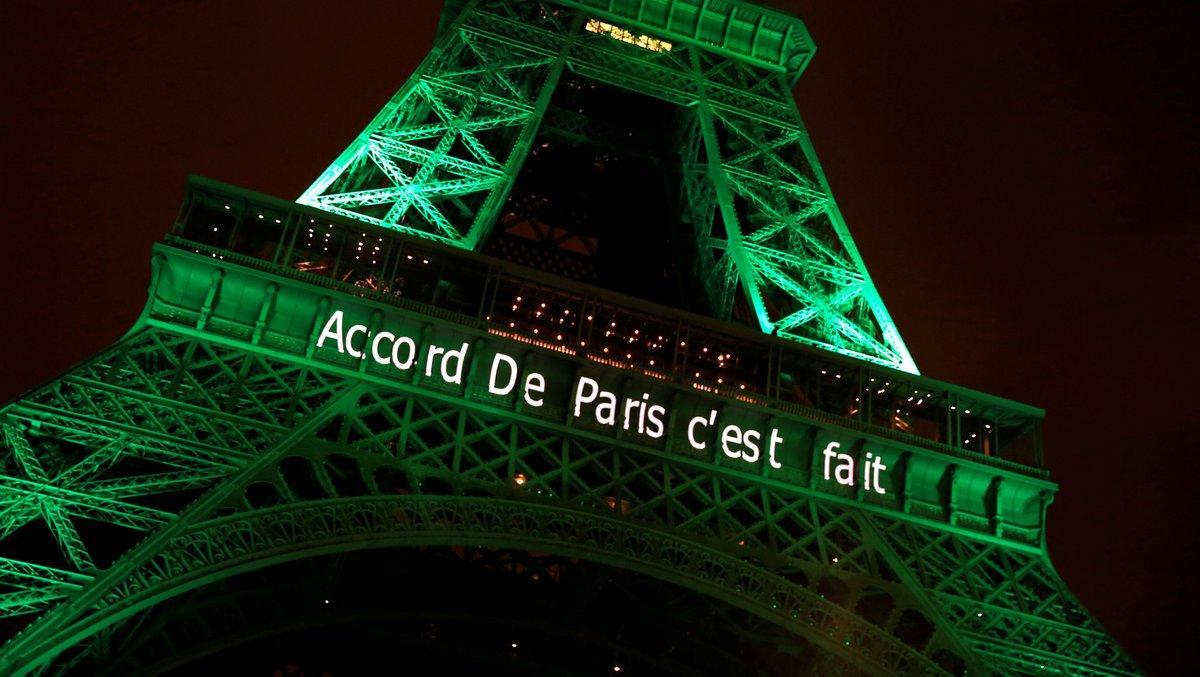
point(375, 419)
point(440, 159)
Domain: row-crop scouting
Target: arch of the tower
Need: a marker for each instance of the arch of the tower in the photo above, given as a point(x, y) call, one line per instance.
point(351, 465)
point(239, 544)
point(767, 244)
point(401, 471)
point(452, 610)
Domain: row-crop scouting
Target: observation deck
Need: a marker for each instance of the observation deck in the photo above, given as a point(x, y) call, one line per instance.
point(746, 31)
point(720, 359)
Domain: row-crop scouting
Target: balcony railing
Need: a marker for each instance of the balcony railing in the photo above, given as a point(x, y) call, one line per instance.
point(620, 331)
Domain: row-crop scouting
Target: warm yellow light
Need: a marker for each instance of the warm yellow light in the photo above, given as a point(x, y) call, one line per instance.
point(618, 33)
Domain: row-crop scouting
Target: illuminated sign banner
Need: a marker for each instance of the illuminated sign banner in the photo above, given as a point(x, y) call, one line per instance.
point(554, 383)
point(592, 397)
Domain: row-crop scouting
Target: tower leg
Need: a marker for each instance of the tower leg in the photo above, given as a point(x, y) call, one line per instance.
point(439, 159)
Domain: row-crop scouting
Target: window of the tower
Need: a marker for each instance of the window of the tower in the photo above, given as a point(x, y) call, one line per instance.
point(618, 33)
point(596, 200)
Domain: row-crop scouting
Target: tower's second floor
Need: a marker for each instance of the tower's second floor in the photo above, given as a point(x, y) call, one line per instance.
point(407, 311)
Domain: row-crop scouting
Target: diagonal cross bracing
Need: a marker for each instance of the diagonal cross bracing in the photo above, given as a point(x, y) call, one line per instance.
point(217, 443)
point(484, 90)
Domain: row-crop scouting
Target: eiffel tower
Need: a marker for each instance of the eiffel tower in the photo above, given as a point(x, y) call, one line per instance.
point(568, 362)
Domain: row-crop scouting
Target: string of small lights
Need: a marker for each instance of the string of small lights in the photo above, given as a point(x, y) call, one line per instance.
point(604, 332)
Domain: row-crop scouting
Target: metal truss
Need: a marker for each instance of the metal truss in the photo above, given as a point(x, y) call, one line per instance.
point(113, 455)
point(769, 230)
point(204, 446)
point(439, 159)
point(177, 459)
point(1010, 606)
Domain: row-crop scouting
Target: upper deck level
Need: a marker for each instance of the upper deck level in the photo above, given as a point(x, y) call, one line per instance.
point(741, 30)
point(746, 31)
point(606, 327)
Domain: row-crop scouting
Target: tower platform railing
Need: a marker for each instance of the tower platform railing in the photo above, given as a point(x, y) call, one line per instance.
point(620, 331)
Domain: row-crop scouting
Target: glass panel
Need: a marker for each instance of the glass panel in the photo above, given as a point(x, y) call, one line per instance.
point(259, 234)
point(727, 363)
point(210, 219)
point(416, 276)
point(361, 262)
point(316, 248)
point(539, 313)
point(463, 286)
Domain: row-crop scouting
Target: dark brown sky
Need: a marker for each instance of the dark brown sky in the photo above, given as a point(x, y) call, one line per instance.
point(1020, 177)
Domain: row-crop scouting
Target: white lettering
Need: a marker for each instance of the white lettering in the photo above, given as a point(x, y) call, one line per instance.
point(434, 351)
point(356, 329)
point(750, 440)
point(458, 356)
point(608, 402)
point(629, 404)
point(580, 399)
point(381, 359)
point(844, 473)
point(493, 383)
point(830, 452)
point(635, 413)
point(535, 383)
point(412, 352)
point(878, 465)
point(731, 435)
point(775, 440)
point(333, 330)
point(699, 444)
point(655, 414)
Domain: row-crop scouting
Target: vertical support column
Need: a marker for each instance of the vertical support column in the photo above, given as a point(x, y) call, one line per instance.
point(485, 219)
point(355, 149)
point(716, 174)
point(887, 327)
point(441, 157)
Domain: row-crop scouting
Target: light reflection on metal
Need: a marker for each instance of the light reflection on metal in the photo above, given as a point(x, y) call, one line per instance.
point(441, 157)
point(141, 465)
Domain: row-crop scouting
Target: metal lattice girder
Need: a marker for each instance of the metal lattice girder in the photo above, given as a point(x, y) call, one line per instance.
point(463, 445)
point(408, 437)
point(32, 588)
point(51, 507)
point(1012, 606)
point(82, 504)
point(341, 458)
point(790, 255)
point(457, 443)
point(146, 424)
point(439, 159)
point(214, 439)
point(58, 621)
point(804, 537)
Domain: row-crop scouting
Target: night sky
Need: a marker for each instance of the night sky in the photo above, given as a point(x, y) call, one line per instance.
point(1019, 176)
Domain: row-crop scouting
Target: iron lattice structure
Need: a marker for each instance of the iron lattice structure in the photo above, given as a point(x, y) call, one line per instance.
point(440, 158)
point(216, 440)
